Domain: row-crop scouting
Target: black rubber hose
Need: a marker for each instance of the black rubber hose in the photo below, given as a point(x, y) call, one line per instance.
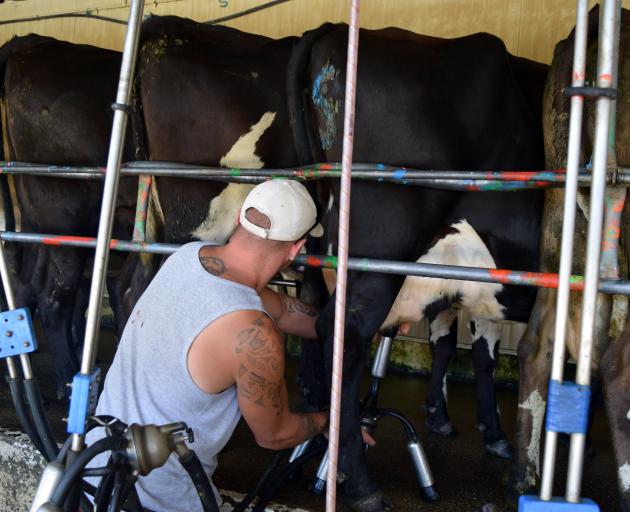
point(118, 493)
point(193, 467)
point(105, 485)
point(64, 450)
point(23, 416)
point(284, 474)
point(261, 481)
point(73, 473)
point(39, 418)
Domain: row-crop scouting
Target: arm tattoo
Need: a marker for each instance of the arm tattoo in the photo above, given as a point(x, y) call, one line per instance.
point(293, 305)
point(213, 265)
point(260, 357)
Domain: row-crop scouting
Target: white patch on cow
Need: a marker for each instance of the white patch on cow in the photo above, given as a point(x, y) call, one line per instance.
point(628, 414)
point(441, 326)
point(536, 406)
point(331, 202)
point(444, 390)
point(329, 251)
point(462, 248)
point(624, 476)
point(221, 220)
point(243, 152)
point(488, 330)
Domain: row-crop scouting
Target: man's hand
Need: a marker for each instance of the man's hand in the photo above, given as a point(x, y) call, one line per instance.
point(367, 437)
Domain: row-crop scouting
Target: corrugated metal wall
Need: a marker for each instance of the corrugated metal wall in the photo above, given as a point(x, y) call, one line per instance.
point(530, 28)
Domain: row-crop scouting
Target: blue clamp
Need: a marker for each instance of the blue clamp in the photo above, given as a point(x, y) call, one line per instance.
point(17, 335)
point(83, 400)
point(535, 504)
point(567, 407)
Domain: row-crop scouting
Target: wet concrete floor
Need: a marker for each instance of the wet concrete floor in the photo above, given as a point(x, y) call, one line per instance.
point(465, 476)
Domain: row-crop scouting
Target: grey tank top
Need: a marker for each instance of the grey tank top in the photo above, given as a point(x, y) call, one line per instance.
point(149, 382)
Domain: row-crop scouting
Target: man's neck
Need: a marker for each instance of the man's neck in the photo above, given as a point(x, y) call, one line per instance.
point(244, 267)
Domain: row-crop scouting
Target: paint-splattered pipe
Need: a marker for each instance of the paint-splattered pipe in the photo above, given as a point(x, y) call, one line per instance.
point(461, 180)
point(540, 279)
point(142, 208)
point(342, 262)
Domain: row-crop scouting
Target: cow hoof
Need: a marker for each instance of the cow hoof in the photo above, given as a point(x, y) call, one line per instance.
point(500, 448)
point(445, 429)
point(374, 502)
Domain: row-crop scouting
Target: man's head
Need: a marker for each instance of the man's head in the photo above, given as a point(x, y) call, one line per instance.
point(279, 214)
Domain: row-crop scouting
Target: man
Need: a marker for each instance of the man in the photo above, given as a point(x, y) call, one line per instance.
point(203, 344)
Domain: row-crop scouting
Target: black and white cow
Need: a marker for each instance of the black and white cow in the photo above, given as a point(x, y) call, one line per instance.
point(210, 95)
point(435, 104)
point(55, 100)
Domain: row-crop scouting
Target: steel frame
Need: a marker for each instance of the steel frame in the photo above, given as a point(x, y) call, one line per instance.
point(467, 180)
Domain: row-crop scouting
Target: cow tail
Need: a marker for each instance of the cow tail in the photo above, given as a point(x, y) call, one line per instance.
point(297, 95)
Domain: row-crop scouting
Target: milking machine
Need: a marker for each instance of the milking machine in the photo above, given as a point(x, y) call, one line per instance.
point(135, 451)
point(371, 414)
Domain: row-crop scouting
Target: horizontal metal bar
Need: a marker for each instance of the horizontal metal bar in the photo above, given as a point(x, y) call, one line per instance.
point(486, 275)
point(591, 92)
point(461, 180)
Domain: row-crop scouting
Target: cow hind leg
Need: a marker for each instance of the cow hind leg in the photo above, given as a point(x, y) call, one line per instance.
point(485, 349)
point(615, 372)
point(443, 339)
point(534, 367)
point(56, 306)
point(369, 298)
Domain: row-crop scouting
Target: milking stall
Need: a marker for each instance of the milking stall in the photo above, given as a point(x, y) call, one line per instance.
point(407, 274)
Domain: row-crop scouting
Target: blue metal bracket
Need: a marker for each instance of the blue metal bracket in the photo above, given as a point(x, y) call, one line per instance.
point(567, 407)
point(535, 504)
point(82, 400)
point(17, 335)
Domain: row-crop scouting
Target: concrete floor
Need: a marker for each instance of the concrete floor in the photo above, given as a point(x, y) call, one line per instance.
point(465, 476)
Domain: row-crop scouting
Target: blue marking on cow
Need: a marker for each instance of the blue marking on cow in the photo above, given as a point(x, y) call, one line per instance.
point(327, 107)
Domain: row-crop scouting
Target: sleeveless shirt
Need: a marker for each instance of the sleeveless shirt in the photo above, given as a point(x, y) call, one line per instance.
point(149, 383)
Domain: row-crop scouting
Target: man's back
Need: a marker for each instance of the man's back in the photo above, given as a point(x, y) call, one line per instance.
point(149, 381)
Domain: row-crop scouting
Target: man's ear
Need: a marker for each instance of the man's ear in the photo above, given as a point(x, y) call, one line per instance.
point(296, 248)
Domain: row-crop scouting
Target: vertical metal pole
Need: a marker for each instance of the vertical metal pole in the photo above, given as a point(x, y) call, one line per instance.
point(342, 262)
point(8, 293)
point(568, 227)
point(605, 59)
point(109, 194)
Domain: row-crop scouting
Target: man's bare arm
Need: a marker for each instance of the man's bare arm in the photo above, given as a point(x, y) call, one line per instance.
point(262, 391)
point(291, 314)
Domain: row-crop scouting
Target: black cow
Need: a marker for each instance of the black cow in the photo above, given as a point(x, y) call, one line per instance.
point(611, 357)
point(55, 99)
point(426, 103)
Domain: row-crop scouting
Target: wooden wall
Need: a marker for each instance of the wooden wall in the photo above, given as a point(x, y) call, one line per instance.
point(530, 28)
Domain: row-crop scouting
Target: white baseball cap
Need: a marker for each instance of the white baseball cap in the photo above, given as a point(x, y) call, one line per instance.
point(289, 207)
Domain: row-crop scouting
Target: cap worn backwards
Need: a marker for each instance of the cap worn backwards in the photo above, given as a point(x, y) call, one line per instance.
point(289, 207)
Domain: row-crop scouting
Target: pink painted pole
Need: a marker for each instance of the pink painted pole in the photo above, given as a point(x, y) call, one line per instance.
point(342, 264)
